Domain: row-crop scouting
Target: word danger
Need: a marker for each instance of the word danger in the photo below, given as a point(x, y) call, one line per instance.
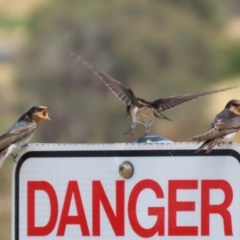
point(125, 207)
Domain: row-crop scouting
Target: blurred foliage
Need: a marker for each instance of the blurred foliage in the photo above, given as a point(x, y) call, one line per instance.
point(166, 47)
point(6, 23)
point(232, 57)
point(156, 48)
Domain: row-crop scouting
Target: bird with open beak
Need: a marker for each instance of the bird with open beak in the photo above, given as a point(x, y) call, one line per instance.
point(19, 134)
point(223, 129)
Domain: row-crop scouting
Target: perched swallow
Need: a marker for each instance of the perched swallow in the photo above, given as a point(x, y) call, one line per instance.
point(22, 131)
point(223, 128)
point(142, 111)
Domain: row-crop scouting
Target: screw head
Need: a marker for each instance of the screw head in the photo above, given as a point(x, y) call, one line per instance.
point(126, 169)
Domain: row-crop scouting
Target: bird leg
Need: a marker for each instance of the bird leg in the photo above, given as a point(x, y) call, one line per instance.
point(15, 156)
point(129, 132)
point(131, 128)
point(146, 130)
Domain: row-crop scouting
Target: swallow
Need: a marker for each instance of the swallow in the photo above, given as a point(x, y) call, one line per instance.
point(19, 134)
point(223, 129)
point(142, 111)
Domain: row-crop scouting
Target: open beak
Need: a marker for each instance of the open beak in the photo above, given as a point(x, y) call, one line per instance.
point(45, 113)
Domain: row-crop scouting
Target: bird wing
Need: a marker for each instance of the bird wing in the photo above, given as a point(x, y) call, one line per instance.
point(221, 128)
point(232, 124)
point(164, 104)
point(18, 131)
point(124, 94)
point(212, 134)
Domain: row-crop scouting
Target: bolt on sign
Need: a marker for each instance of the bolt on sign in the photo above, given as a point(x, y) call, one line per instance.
point(126, 191)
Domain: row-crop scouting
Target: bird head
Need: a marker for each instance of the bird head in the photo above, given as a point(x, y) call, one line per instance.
point(128, 113)
point(38, 113)
point(234, 106)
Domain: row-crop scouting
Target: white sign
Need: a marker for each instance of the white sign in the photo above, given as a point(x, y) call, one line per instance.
point(76, 192)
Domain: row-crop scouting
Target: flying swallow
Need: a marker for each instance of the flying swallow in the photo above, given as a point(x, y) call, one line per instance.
point(22, 131)
point(223, 128)
point(142, 111)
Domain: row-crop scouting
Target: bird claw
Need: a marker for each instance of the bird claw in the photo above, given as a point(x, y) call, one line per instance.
point(128, 132)
point(14, 157)
point(24, 146)
point(220, 144)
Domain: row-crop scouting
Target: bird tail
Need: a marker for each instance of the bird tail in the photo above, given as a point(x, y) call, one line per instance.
point(210, 144)
point(158, 114)
point(202, 146)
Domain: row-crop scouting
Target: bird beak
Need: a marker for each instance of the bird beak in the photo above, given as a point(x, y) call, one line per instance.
point(45, 113)
point(127, 114)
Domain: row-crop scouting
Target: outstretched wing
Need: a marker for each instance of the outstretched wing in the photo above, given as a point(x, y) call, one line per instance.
point(18, 131)
point(164, 104)
point(124, 94)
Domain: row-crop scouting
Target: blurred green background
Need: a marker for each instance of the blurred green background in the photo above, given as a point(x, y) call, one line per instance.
point(157, 48)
